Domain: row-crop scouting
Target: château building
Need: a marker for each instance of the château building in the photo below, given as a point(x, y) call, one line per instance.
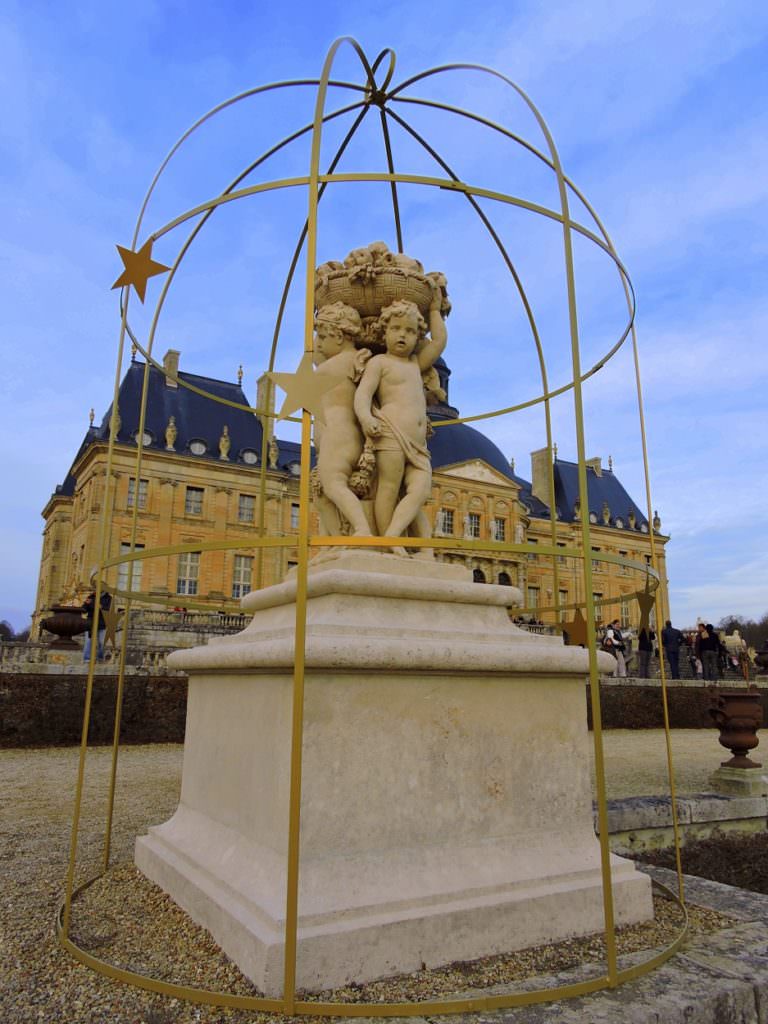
point(199, 482)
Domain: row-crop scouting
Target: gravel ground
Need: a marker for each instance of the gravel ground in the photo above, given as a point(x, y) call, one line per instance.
point(131, 922)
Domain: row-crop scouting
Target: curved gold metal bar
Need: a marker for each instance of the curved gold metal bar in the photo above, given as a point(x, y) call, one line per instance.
point(470, 1004)
point(529, 315)
point(423, 180)
point(289, 83)
point(196, 230)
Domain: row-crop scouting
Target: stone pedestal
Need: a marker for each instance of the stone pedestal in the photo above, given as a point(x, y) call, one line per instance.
point(446, 802)
point(740, 781)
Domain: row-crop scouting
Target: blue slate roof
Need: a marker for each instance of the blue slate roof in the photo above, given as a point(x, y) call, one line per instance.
point(198, 418)
point(605, 488)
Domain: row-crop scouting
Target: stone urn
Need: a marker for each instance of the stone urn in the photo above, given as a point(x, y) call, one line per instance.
point(738, 715)
point(761, 659)
point(65, 623)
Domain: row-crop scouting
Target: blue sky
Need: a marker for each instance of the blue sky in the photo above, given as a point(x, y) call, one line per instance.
point(660, 116)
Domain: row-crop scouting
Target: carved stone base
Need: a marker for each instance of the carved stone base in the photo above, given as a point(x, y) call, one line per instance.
point(446, 804)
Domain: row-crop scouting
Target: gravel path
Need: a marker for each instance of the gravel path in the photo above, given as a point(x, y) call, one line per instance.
point(40, 982)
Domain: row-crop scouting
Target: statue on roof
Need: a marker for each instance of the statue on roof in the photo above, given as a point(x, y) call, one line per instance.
point(225, 443)
point(273, 453)
point(171, 434)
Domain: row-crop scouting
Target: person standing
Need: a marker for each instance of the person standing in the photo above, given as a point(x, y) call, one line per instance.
point(89, 607)
point(671, 639)
point(614, 644)
point(644, 648)
point(706, 648)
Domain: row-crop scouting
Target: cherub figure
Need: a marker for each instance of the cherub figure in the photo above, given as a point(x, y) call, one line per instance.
point(338, 437)
point(391, 406)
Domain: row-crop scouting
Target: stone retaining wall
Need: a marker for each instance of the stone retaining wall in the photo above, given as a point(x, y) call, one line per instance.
point(637, 703)
point(46, 710)
point(43, 706)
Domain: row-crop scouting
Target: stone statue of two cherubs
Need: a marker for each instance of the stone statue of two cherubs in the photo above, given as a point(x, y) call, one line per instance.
point(381, 399)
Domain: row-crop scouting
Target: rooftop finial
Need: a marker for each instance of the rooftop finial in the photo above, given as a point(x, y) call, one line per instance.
point(610, 463)
point(240, 374)
point(134, 350)
point(554, 451)
point(512, 464)
point(91, 415)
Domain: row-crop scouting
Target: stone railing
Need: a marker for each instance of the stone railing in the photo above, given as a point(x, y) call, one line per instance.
point(198, 622)
point(540, 628)
point(22, 652)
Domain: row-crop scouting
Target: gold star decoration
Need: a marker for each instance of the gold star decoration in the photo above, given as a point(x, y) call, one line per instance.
point(305, 388)
point(111, 619)
point(646, 600)
point(576, 629)
point(139, 267)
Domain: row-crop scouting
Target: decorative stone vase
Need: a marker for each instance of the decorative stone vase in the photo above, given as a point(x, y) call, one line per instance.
point(738, 715)
point(65, 623)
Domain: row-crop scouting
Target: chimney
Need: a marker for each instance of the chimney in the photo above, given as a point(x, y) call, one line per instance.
point(595, 464)
point(171, 365)
point(540, 474)
point(265, 403)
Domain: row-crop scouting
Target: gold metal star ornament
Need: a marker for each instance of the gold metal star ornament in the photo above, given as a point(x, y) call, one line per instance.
point(111, 619)
point(576, 629)
point(646, 600)
point(139, 267)
point(305, 388)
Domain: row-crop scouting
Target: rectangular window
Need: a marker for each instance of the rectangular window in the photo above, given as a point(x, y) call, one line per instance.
point(295, 515)
point(597, 596)
point(624, 613)
point(563, 596)
point(596, 565)
point(445, 522)
point(623, 568)
point(473, 524)
point(561, 558)
point(241, 577)
point(499, 529)
point(246, 507)
point(193, 502)
point(142, 499)
point(532, 556)
point(189, 571)
point(124, 568)
point(533, 597)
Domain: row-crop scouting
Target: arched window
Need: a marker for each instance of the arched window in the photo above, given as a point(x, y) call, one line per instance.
point(504, 579)
point(478, 576)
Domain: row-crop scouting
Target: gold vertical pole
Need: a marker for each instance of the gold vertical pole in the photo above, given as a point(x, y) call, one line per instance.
point(594, 679)
point(294, 811)
point(103, 534)
point(659, 614)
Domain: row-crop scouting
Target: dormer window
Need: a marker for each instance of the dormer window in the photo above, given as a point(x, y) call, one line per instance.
point(294, 468)
point(198, 446)
point(249, 456)
point(146, 438)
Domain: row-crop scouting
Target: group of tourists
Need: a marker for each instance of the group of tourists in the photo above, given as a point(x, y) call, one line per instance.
point(707, 654)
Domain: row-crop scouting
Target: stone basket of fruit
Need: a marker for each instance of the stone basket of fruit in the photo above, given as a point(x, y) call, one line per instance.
point(371, 278)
